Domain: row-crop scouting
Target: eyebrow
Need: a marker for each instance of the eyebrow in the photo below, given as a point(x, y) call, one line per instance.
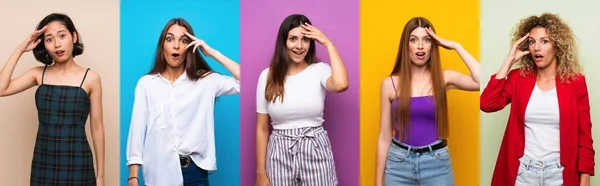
point(56, 32)
point(418, 36)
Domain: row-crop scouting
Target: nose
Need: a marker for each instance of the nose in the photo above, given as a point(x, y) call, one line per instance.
point(420, 45)
point(176, 45)
point(537, 46)
point(298, 44)
point(56, 43)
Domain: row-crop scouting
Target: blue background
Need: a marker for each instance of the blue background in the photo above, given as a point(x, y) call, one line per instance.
point(217, 23)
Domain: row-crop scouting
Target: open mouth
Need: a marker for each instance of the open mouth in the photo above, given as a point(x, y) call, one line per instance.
point(538, 57)
point(175, 55)
point(420, 55)
point(298, 52)
point(60, 53)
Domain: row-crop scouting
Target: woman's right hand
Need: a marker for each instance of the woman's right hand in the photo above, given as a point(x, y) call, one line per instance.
point(262, 180)
point(32, 41)
point(515, 54)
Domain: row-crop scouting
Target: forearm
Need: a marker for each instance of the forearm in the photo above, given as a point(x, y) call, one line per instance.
point(383, 146)
point(229, 64)
point(472, 63)
point(8, 69)
point(98, 137)
point(262, 138)
point(339, 75)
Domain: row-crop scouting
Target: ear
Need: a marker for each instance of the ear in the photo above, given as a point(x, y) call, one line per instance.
point(75, 37)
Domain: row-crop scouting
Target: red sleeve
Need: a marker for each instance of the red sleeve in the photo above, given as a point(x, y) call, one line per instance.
point(585, 158)
point(498, 92)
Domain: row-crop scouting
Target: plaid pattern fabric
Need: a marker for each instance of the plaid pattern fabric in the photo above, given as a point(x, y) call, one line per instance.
point(62, 154)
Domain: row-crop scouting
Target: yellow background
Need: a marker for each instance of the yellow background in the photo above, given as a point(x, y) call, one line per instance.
point(380, 31)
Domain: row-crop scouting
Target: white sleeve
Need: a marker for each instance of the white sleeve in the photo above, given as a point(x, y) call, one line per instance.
point(137, 127)
point(324, 73)
point(226, 85)
point(261, 102)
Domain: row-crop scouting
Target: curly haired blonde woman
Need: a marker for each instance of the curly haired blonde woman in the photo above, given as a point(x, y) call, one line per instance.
point(548, 138)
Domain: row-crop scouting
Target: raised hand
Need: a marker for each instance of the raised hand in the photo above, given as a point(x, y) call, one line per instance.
point(515, 54)
point(32, 40)
point(447, 44)
point(207, 50)
point(316, 34)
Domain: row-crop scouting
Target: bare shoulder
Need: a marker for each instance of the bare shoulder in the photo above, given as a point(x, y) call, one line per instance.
point(388, 86)
point(36, 73)
point(93, 77)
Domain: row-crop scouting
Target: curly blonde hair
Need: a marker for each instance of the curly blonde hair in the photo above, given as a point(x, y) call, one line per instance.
point(561, 37)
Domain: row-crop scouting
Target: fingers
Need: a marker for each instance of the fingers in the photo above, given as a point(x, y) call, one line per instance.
point(190, 35)
point(37, 42)
point(520, 41)
point(195, 48)
point(189, 45)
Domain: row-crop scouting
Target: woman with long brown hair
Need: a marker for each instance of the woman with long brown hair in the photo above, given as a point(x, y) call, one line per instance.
point(171, 134)
point(548, 138)
point(414, 123)
point(291, 92)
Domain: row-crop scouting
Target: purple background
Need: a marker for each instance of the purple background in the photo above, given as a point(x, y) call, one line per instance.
point(339, 20)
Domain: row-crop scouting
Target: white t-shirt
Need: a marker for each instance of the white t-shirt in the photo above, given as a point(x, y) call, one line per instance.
point(303, 99)
point(169, 120)
point(542, 138)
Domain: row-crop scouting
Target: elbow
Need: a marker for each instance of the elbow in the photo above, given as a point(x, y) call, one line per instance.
point(341, 87)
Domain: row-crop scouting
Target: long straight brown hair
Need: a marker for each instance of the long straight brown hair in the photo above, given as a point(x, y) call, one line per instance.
point(195, 66)
point(402, 70)
point(281, 61)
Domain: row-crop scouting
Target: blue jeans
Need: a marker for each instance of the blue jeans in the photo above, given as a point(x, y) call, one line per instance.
point(194, 175)
point(428, 168)
point(538, 173)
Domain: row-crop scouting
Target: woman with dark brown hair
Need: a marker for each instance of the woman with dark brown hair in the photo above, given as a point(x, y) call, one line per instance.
point(291, 92)
point(67, 94)
point(171, 135)
point(412, 147)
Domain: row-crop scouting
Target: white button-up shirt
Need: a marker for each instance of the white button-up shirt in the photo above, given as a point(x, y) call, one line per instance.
point(169, 120)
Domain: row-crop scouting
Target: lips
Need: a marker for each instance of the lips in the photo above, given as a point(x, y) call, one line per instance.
point(538, 57)
point(60, 53)
point(420, 55)
point(298, 52)
point(175, 55)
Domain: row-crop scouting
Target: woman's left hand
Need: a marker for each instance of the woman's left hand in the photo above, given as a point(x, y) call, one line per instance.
point(316, 34)
point(447, 44)
point(207, 50)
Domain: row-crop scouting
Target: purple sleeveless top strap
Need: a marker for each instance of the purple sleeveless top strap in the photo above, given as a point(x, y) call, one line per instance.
point(422, 120)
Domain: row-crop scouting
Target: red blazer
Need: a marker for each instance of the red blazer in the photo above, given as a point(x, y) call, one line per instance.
point(576, 150)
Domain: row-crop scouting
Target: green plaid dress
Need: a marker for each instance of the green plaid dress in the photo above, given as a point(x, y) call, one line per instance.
point(62, 154)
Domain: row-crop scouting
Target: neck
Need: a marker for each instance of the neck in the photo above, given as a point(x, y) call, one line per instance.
point(418, 71)
point(548, 72)
point(65, 67)
point(297, 67)
point(171, 73)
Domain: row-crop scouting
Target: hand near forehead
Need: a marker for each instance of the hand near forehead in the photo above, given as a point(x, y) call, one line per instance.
point(207, 50)
point(314, 33)
point(515, 54)
point(447, 44)
point(32, 40)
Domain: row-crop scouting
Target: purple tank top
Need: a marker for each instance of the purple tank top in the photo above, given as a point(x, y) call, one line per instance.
point(422, 120)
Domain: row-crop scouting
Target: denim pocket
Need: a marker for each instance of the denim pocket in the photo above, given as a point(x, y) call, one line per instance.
point(396, 155)
point(442, 154)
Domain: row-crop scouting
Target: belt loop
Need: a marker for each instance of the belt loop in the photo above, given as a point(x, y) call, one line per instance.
point(528, 164)
point(430, 149)
point(408, 150)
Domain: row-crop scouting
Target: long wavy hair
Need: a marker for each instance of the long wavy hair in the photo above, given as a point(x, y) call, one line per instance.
point(562, 39)
point(402, 70)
